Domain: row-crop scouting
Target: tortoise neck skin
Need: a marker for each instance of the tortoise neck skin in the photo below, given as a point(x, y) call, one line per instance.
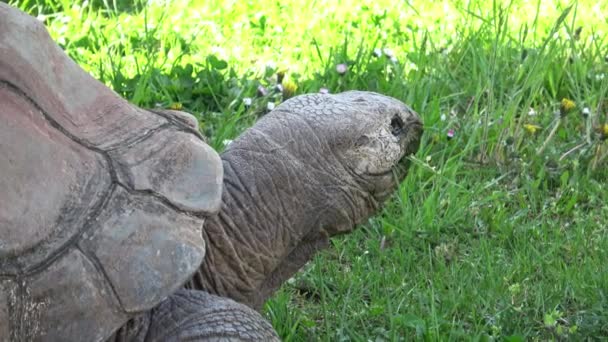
point(277, 211)
point(313, 168)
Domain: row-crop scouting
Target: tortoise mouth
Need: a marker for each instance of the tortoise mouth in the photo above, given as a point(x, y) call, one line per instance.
point(410, 142)
point(387, 182)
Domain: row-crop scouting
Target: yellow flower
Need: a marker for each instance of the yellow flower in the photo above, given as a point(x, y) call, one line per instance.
point(176, 106)
point(531, 128)
point(281, 75)
point(289, 88)
point(566, 105)
point(604, 131)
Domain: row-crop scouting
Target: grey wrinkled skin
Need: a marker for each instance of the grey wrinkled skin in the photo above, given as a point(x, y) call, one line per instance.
point(315, 167)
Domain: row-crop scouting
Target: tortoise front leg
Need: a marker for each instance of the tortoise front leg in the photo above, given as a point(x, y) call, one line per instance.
point(192, 315)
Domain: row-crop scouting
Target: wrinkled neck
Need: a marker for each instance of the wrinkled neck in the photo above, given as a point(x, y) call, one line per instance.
point(272, 203)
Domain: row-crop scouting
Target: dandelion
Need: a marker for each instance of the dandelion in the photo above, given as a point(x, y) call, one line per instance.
point(451, 134)
point(270, 105)
point(377, 52)
point(281, 75)
point(176, 106)
point(604, 130)
point(247, 101)
point(530, 128)
point(566, 106)
point(324, 90)
point(289, 88)
point(341, 68)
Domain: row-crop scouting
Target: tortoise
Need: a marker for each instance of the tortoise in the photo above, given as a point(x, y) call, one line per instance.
point(119, 223)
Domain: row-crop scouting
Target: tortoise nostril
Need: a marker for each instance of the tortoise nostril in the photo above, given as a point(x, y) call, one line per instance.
point(397, 125)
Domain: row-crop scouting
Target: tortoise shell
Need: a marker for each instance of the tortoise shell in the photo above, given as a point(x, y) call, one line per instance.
point(101, 203)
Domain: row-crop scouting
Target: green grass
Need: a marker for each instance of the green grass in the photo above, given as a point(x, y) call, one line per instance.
point(499, 233)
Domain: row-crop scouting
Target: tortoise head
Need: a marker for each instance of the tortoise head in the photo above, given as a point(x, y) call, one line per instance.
point(341, 154)
point(369, 135)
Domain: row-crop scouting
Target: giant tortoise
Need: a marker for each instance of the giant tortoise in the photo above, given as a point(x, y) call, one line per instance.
point(119, 223)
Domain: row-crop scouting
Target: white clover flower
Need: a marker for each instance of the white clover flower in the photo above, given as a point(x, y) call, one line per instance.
point(531, 112)
point(270, 105)
point(443, 117)
point(247, 101)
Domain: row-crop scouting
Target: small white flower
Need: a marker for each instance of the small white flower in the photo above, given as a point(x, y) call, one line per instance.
point(247, 101)
point(324, 91)
point(599, 77)
point(341, 68)
point(270, 105)
point(443, 117)
point(532, 112)
point(227, 142)
point(394, 59)
point(377, 52)
point(389, 53)
point(586, 111)
point(271, 65)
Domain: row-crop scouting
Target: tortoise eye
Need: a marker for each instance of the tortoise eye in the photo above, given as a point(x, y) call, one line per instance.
point(397, 125)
